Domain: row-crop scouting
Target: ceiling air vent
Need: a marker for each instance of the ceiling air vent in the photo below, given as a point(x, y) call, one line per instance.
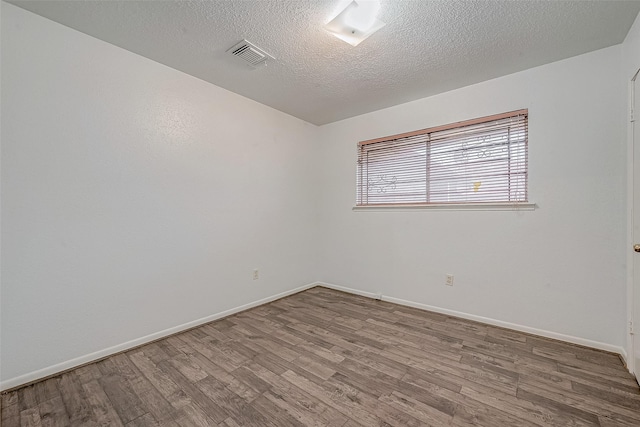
point(250, 54)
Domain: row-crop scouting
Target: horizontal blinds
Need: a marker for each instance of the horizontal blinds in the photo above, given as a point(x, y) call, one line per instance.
point(483, 160)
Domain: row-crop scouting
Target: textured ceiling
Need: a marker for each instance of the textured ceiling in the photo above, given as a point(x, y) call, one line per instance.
point(427, 47)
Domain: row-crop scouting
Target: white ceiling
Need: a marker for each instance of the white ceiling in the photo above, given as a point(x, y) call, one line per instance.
point(427, 47)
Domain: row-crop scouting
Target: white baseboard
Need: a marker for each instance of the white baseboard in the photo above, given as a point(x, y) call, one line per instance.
point(92, 357)
point(349, 290)
point(494, 322)
point(56, 369)
point(623, 355)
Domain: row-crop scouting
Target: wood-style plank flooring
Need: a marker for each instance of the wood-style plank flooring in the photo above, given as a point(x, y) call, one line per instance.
point(323, 357)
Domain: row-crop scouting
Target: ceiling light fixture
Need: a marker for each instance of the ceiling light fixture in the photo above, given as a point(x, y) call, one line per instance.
point(356, 22)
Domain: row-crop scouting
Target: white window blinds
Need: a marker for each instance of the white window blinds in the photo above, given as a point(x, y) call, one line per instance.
point(476, 161)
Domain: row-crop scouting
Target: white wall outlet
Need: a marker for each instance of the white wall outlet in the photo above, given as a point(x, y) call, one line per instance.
point(448, 280)
point(256, 274)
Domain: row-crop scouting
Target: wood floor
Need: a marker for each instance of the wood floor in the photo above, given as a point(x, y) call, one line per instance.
point(322, 357)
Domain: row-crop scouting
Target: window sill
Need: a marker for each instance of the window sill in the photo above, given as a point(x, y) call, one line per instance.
point(521, 206)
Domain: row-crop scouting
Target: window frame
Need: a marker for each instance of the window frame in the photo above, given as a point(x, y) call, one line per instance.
point(525, 204)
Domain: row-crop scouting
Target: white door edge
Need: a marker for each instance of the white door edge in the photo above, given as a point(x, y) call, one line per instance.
point(634, 312)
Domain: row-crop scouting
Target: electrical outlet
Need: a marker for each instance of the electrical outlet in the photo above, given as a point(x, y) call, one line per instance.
point(448, 280)
point(256, 274)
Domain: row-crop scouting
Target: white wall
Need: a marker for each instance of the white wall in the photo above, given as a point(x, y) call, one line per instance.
point(631, 50)
point(560, 268)
point(631, 63)
point(135, 198)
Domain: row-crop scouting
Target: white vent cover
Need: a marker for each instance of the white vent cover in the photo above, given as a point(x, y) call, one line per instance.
point(250, 53)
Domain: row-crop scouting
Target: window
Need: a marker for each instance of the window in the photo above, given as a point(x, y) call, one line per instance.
point(477, 161)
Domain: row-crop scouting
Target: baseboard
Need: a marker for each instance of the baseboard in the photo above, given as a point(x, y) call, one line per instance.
point(59, 368)
point(623, 356)
point(487, 320)
point(349, 290)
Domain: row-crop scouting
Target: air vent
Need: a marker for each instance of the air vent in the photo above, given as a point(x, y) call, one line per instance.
point(250, 54)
